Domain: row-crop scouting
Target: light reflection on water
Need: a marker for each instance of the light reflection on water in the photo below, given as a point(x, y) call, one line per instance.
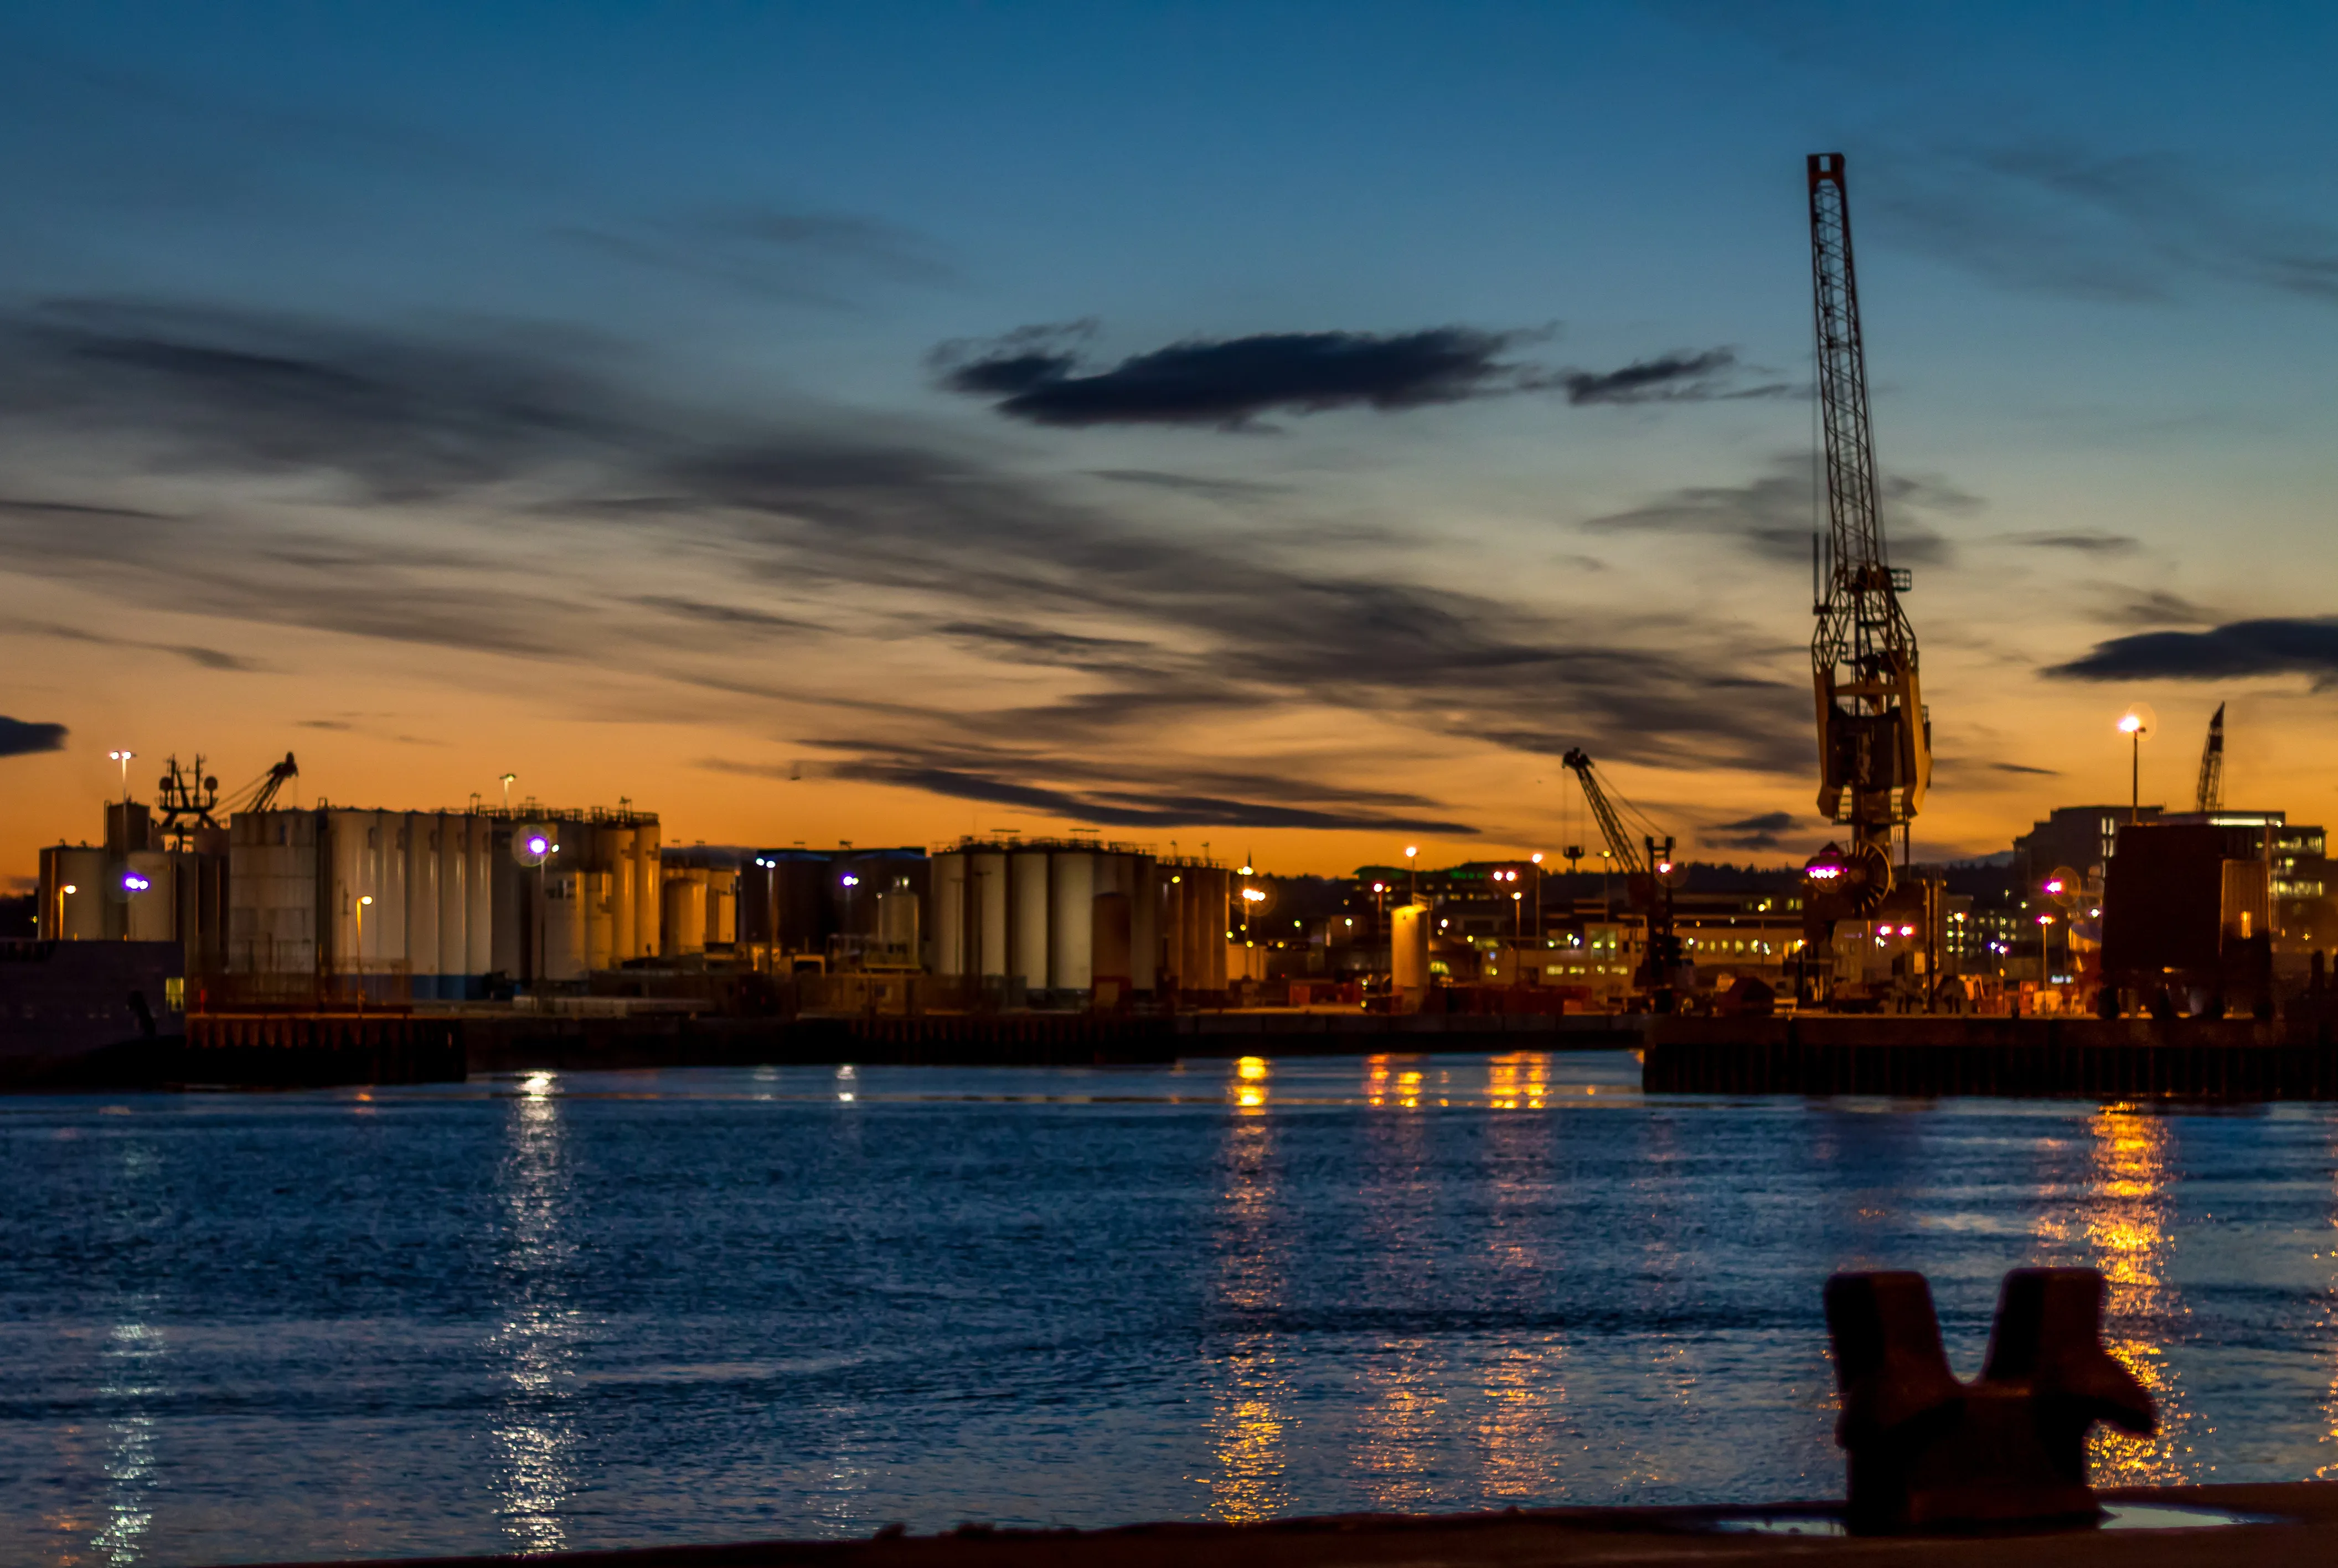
point(1250, 1419)
point(533, 1342)
point(586, 1310)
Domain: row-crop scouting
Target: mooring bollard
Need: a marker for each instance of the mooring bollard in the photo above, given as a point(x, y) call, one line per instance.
point(1927, 1452)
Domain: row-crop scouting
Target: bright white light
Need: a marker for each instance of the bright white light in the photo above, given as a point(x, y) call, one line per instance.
point(1411, 849)
point(366, 899)
point(70, 888)
point(2129, 724)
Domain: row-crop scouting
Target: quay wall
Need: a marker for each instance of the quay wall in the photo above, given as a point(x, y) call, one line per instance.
point(2034, 1058)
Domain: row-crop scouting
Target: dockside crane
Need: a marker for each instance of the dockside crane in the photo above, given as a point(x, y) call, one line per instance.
point(1647, 878)
point(189, 803)
point(2210, 794)
point(1875, 743)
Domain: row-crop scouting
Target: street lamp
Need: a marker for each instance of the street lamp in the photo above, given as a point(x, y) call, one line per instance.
point(124, 758)
point(2135, 723)
point(2045, 965)
point(1412, 878)
point(60, 931)
point(1538, 892)
point(506, 780)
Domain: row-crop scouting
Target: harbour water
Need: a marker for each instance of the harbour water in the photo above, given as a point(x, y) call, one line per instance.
point(591, 1310)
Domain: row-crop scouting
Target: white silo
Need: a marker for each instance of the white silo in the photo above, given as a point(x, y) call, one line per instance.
point(418, 831)
point(1071, 919)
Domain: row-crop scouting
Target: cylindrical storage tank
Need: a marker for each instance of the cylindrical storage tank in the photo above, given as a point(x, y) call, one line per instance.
point(78, 915)
point(953, 953)
point(649, 909)
point(682, 929)
point(1193, 962)
point(1026, 894)
point(388, 910)
point(988, 869)
point(352, 878)
point(1143, 923)
point(721, 907)
point(479, 920)
point(453, 830)
point(1408, 953)
point(1071, 919)
point(617, 845)
point(565, 926)
point(1169, 939)
point(1110, 958)
point(150, 912)
point(421, 836)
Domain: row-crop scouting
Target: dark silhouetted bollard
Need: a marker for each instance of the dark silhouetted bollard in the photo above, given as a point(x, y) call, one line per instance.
point(1927, 1452)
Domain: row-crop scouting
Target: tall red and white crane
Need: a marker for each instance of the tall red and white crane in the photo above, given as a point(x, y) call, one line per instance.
point(1875, 742)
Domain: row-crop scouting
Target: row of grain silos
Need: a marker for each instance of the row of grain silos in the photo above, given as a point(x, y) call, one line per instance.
point(439, 898)
point(1052, 918)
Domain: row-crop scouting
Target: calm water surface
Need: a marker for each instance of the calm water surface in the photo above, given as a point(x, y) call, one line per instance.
point(599, 1309)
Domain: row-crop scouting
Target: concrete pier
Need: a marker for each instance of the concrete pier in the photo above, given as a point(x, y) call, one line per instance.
point(2283, 1526)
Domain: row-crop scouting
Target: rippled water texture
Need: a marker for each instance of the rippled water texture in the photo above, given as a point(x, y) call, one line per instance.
point(602, 1309)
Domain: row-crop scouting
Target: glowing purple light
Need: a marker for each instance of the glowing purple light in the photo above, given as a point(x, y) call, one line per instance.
point(538, 845)
point(133, 882)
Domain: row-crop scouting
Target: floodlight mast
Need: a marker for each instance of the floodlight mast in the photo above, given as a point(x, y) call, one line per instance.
point(1875, 743)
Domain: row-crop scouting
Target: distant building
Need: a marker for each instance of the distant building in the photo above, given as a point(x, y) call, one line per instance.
point(2081, 837)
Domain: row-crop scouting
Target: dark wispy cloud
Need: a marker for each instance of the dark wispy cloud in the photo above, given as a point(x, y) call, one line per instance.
point(488, 497)
point(210, 658)
point(2082, 542)
point(22, 737)
point(2156, 608)
point(1041, 374)
point(1681, 377)
point(2134, 226)
point(1766, 831)
point(1037, 375)
point(1175, 794)
point(2021, 768)
point(1774, 514)
point(1192, 484)
point(2271, 647)
point(736, 616)
point(230, 392)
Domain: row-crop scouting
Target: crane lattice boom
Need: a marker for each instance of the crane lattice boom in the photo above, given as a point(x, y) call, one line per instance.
point(1874, 742)
point(1627, 855)
point(2210, 795)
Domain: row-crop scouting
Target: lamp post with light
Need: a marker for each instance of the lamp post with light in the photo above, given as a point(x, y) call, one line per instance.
point(124, 758)
point(2137, 724)
point(1537, 857)
point(1413, 873)
point(61, 892)
point(364, 901)
point(2045, 964)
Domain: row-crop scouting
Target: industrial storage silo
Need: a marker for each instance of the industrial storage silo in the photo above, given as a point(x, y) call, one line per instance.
point(452, 832)
point(682, 923)
point(419, 832)
point(1071, 920)
point(479, 893)
point(649, 903)
point(614, 850)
